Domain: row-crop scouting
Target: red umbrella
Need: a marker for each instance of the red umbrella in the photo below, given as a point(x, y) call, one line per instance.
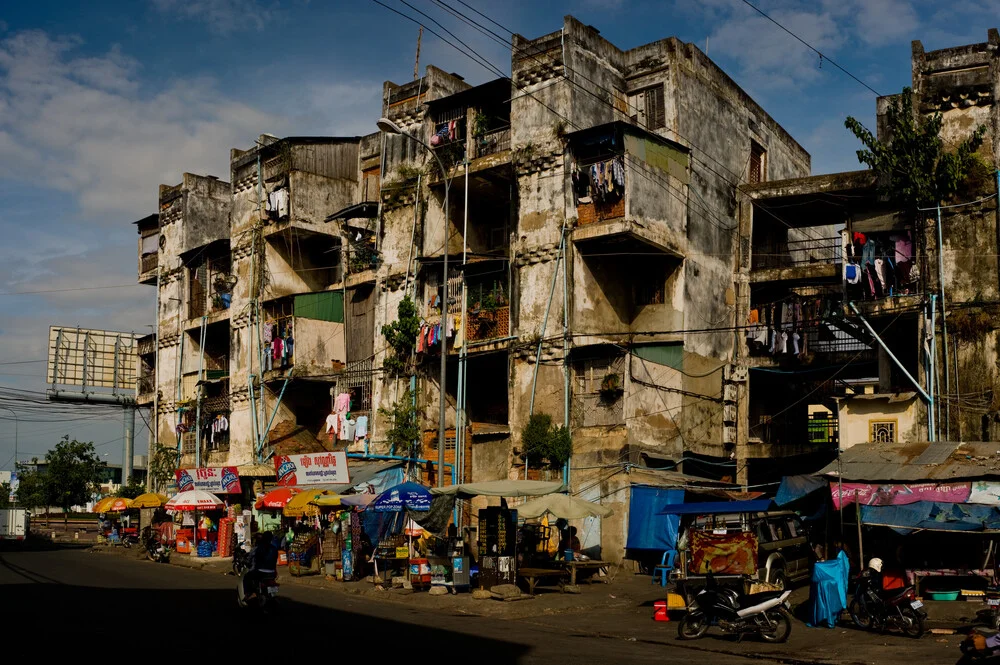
point(277, 498)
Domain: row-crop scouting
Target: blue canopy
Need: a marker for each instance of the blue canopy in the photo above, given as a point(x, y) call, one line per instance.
point(933, 515)
point(796, 487)
point(648, 528)
point(717, 507)
point(407, 496)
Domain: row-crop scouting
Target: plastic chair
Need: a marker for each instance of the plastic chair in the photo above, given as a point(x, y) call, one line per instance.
point(662, 572)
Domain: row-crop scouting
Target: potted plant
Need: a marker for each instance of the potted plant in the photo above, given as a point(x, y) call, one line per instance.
point(611, 387)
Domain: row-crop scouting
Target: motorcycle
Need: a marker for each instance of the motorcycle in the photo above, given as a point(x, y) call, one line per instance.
point(156, 551)
point(993, 605)
point(263, 593)
point(241, 561)
point(764, 614)
point(873, 608)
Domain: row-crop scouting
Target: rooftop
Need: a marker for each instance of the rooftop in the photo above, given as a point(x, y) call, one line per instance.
point(917, 462)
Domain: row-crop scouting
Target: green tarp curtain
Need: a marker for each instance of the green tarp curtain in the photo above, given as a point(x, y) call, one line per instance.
point(670, 354)
point(322, 306)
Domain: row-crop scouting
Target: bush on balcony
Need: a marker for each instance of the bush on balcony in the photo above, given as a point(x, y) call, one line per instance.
point(540, 439)
point(401, 336)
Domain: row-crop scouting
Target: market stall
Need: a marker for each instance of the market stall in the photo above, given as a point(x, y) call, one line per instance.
point(345, 545)
point(193, 503)
point(408, 496)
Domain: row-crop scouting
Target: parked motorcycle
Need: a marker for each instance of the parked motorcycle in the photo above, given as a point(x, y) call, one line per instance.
point(993, 605)
point(263, 593)
point(873, 608)
point(156, 551)
point(764, 614)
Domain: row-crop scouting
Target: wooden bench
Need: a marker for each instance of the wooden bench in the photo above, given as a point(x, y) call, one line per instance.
point(533, 575)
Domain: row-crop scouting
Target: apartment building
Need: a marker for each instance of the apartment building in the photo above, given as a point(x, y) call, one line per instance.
point(879, 348)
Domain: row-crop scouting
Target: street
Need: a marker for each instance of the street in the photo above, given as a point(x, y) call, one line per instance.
point(101, 595)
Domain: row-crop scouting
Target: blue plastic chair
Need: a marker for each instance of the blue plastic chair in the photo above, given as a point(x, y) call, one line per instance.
point(662, 572)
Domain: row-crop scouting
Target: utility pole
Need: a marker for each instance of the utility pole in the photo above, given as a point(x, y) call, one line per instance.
point(14, 413)
point(416, 64)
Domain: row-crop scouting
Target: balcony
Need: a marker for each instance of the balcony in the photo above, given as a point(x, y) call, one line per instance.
point(810, 258)
point(145, 388)
point(148, 262)
point(487, 324)
point(491, 143)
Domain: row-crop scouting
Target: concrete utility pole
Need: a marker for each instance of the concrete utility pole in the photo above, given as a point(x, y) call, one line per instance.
point(13, 413)
point(389, 127)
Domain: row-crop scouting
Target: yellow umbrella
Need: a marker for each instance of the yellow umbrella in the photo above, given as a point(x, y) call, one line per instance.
point(328, 501)
point(299, 505)
point(118, 504)
point(149, 500)
point(102, 504)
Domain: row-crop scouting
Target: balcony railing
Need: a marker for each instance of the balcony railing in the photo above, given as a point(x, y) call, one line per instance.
point(796, 253)
point(819, 430)
point(491, 143)
point(488, 324)
point(148, 262)
point(823, 430)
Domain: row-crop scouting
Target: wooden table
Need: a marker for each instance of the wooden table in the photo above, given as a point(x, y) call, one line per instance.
point(913, 576)
point(574, 566)
point(533, 575)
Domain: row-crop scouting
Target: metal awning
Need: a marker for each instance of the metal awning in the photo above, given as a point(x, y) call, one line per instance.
point(917, 462)
point(717, 507)
point(366, 210)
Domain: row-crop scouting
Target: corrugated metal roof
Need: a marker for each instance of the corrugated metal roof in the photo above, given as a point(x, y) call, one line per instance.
point(914, 462)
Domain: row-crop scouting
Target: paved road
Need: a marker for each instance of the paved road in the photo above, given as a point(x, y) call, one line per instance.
point(75, 591)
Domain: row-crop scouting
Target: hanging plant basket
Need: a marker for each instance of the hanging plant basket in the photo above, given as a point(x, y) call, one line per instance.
point(612, 387)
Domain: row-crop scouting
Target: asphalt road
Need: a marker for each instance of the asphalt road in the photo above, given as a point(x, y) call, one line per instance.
point(74, 591)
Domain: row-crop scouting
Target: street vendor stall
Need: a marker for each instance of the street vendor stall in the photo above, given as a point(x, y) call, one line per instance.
point(194, 502)
point(565, 507)
point(405, 497)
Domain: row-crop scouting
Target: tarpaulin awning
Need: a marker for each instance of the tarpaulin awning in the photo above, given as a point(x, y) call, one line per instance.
point(648, 528)
point(933, 515)
point(505, 488)
point(349, 500)
point(717, 507)
point(562, 505)
point(793, 488)
point(255, 470)
point(298, 505)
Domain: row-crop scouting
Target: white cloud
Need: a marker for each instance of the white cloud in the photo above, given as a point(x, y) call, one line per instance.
point(82, 125)
point(221, 16)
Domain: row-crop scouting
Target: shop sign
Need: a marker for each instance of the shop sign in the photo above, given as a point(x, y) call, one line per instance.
point(212, 479)
point(312, 469)
point(898, 495)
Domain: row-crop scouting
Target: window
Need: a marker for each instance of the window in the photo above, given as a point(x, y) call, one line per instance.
point(647, 107)
point(758, 163)
point(649, 284)
point(882, 431)
point(197, 290)
point(598, 391)
point(370, 184)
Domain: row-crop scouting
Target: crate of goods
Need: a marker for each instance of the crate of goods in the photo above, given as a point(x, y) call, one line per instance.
point(420, 572)
point(226, 535)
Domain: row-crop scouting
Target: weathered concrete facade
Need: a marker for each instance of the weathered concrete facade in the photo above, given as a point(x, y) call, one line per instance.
point(806, 235)
point(593, 231)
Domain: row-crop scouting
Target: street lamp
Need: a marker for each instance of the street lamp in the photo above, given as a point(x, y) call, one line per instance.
point(389, 127)
point(14, 413)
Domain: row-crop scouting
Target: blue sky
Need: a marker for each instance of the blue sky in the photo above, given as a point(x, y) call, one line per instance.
point(100, 102)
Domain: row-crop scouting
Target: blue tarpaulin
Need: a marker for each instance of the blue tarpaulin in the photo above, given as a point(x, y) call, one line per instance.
point(648, 528)
point(717, 507)
point(828, 591)
point(793, 488)
point(933, 515)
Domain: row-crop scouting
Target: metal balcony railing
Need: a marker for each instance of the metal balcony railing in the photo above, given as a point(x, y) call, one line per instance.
point(488, 324)
point(491, 143)
point(819, 430)
point(795, 253)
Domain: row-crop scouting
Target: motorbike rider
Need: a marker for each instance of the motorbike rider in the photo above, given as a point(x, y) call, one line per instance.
point(263, 565)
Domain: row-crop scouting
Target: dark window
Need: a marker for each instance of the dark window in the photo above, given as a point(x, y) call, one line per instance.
point(758, 171)
point(197, 291)
point(656, 117)
point(649, 285)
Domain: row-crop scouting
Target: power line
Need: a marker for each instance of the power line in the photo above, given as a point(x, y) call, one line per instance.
point(81, 288)
point(811, 47)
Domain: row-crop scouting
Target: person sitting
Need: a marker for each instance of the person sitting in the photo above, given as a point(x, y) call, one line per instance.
point(570, 542)
point(263, 565)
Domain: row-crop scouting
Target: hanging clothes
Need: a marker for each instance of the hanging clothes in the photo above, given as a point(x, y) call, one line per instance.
point(360, 428)
point(333, 425)
point(268, 332)
point(347, 427)
point(342, 404)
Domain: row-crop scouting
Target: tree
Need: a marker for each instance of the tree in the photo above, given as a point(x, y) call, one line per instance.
point(401, 336)
point(131, 490)
point(162, 464)
point(30, 492)
point(4, 496)
point(541, 439)
point(404, 430)
point(72, 475)
point(914, 169)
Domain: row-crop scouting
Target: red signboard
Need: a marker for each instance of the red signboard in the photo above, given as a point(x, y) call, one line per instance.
point(213, 479)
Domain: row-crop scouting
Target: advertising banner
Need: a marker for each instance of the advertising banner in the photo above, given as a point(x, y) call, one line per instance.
point(212, 479)
point(312, 469)
point(986, 493)
point(898, 495)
